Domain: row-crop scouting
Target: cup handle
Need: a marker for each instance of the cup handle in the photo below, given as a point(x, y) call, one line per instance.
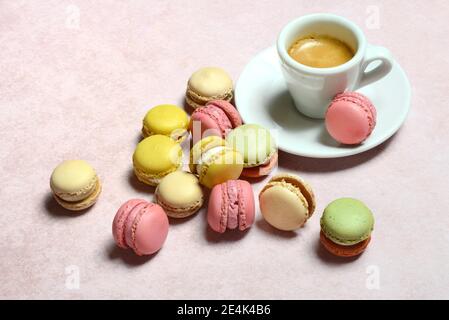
point(374, 53)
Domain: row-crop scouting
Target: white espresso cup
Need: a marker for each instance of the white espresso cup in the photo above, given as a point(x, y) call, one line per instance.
point(312, 89)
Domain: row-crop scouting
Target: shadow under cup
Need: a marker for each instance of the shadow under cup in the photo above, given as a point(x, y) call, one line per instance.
point(312, 89)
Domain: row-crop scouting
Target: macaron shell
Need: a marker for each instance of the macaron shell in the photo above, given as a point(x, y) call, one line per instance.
point(155, 157)
point(351, 118)
point(130, 220)
point(118, 225)
point(202, 147)
point(230, 111)
point(194, 100)
point(165, 119)
point(150, 230)
point(179, 194)
point(247, 208)
point(282, 208)
point(235, 199)
point(343, 251)
point(304, 188)
point(83, 204)
point(254, 142)
point(216, 213)
point(232, 203)
point(262, 170)
point(360, 99)
point(210, 82)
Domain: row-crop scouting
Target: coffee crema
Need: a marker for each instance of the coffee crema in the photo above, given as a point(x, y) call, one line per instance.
point(320, 51)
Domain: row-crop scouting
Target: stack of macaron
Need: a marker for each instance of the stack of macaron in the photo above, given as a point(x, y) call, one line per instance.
point(75, 185)
point(223, 151)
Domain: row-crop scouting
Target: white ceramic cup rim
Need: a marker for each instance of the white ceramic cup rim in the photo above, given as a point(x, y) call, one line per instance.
point(287, 59)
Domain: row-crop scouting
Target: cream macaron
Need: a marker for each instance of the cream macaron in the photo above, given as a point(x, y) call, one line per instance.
point(208, 84)
point(75, 185)
point(179, 194)
point(287, 202)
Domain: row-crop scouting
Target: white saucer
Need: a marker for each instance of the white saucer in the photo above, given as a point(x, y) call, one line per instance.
point(262, 97)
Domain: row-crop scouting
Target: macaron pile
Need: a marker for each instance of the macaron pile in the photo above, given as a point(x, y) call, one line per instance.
point(224, 150)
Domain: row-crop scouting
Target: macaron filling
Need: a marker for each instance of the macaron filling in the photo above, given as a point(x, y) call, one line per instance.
point(232, 208)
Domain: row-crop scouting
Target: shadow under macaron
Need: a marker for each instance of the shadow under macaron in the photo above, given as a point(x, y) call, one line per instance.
point(267, 228)
point(54, 209)
point(139, 186)
point(128, 256)
point(228, 236)
point(317, 165)
point(329, 258)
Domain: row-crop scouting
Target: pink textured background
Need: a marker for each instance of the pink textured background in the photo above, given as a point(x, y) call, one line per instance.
point(81, 93)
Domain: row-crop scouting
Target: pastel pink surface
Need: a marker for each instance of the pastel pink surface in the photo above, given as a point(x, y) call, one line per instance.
point(118, 225)
point(350, 118)
point(231, 206)
point(229, 109)
point(84, 72)
point(151, 230)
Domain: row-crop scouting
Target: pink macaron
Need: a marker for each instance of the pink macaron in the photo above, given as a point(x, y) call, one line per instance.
point(350, 118)
point(231, 206)
point(141, 226)
point(217, 118)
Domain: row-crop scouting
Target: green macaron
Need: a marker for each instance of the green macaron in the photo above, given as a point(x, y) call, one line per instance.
point(254, 142)
point(347, 221)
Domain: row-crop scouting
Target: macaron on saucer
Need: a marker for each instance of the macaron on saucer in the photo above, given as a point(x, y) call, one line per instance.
point(217, 117)
point(215, 162)
point(261, 96)
point(141, 226)
point(179, 194)
point(231, 206)
point(350, 118)
point(258, 148)
point(75, 185)
point(207, 84)
point(155, 157)
point(166, 119)
point(287, 202)
point(346, 227)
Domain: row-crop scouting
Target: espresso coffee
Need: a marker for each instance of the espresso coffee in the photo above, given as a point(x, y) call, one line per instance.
point(320, 51)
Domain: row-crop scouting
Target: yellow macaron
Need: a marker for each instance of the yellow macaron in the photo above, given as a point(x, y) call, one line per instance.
point(166, 119)
point(155, 157)
point(214, 162)
point(75, 185)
